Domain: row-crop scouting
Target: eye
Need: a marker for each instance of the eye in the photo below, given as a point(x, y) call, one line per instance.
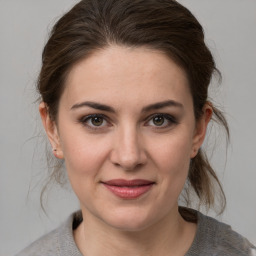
point(94, 121)
point(161, 120)
point(158, 120)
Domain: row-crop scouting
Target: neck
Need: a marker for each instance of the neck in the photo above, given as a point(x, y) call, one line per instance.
point(170, 236)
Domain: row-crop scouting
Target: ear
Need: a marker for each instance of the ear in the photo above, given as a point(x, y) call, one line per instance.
point(200, 129)
point(51, 130)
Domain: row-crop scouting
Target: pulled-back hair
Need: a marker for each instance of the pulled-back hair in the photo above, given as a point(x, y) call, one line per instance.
point(163, 25)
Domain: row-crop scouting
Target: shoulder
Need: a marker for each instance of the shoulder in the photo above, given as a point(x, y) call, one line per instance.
point(225, 239)
point(216, 238)
point(59, 242)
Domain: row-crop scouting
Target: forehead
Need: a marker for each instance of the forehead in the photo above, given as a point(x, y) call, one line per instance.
point(128, 74)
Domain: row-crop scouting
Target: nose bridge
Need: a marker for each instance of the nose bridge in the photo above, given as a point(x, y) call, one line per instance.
point(128, 150)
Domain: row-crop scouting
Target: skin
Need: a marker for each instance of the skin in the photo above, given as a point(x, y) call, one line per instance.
point(129, 143)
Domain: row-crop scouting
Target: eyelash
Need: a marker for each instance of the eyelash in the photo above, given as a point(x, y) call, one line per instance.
point(167, 118)
point(171, 120)
point(85, 119)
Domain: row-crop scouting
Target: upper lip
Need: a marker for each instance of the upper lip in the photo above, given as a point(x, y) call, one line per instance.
point(128, 183)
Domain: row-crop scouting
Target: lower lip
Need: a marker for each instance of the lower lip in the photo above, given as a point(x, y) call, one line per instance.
point(129, 192)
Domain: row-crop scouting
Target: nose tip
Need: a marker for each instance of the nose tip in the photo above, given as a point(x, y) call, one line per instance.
point(128, 153)
point(129, 161)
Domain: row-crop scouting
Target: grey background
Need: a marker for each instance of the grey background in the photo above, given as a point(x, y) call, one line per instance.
point(231, 35)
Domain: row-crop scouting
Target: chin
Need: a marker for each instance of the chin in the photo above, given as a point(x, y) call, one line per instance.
point(131, 226)
point(129, 220)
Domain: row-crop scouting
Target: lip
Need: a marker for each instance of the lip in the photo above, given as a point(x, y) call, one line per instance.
point(128, 189)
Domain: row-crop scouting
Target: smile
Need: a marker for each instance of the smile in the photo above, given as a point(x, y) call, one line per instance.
point(128, 189)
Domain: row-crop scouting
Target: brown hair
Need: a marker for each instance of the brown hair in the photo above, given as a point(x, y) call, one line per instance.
point(164, 25)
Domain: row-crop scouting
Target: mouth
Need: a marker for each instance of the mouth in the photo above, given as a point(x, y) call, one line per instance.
point(128, 189)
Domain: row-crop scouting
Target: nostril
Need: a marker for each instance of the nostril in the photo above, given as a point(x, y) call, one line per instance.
point(128, 152)
point(128, 164)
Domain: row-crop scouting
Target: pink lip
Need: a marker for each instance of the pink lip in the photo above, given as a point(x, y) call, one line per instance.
point(128, 189)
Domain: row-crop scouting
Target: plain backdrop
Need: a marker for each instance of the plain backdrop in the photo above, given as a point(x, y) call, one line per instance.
point(24, 25)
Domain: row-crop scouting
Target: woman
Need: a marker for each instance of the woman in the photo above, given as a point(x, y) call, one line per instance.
point(124, 97)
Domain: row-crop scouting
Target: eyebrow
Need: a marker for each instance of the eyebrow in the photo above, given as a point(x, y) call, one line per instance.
point(155, 106)
point(93, 105)
point(163, 104)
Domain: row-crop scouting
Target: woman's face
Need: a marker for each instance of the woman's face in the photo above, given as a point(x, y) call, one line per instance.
point(127, 132)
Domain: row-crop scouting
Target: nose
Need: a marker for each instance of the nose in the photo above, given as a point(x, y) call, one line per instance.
point(128, 150)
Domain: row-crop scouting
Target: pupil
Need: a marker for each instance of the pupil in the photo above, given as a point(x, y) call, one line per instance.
point(158, 120)
point(97, 121)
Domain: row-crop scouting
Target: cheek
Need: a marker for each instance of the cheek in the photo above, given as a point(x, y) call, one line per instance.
point(84, 160)
point(84, 154)
point(173, 150)
point(172, 160)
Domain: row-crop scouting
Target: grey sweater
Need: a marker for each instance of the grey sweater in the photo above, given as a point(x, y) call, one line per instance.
point(213, 238)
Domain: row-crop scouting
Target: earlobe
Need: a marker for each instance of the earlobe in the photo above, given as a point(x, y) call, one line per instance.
point(201, 128)
point(51, 130)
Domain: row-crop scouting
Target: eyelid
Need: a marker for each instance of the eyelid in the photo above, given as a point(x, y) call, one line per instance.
point(170, 118)
point(84, 119)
